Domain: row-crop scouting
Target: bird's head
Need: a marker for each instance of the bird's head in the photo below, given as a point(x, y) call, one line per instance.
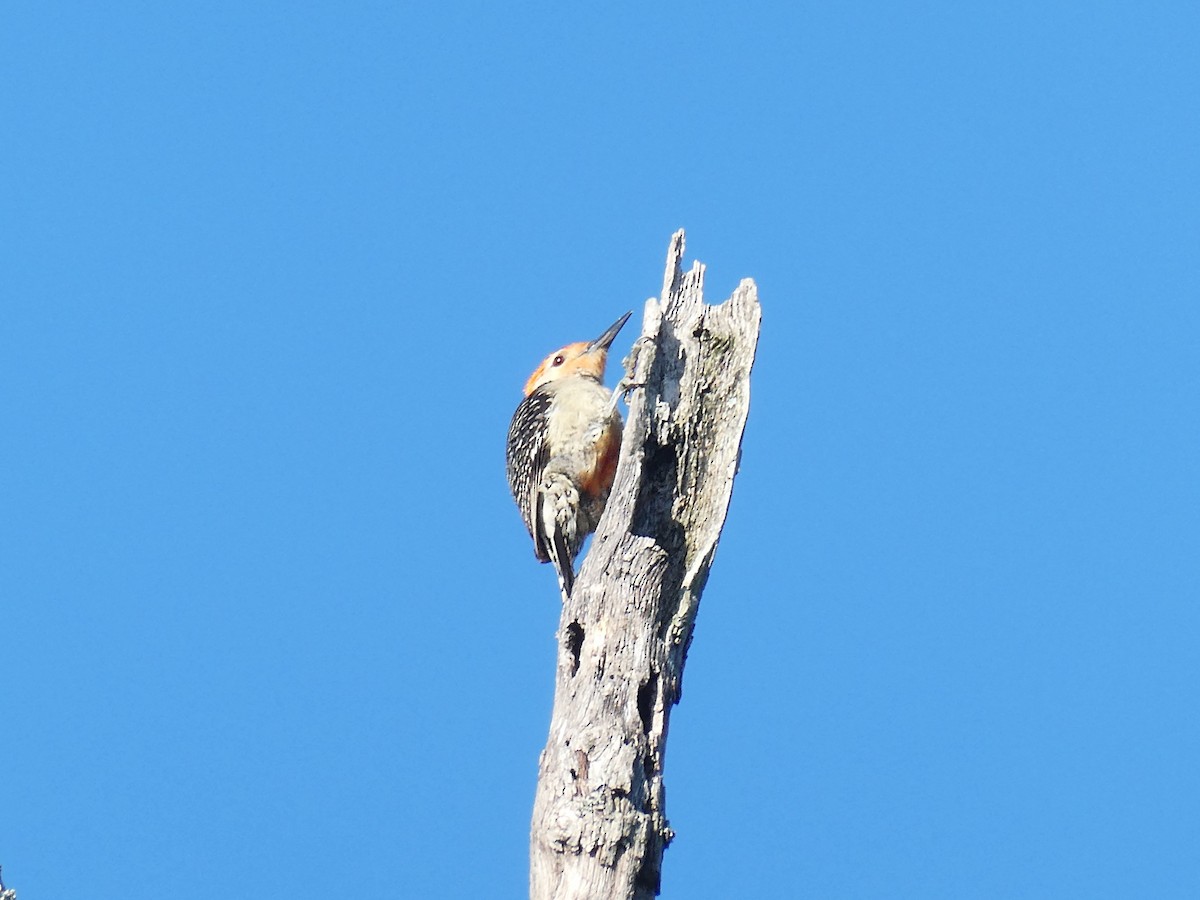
point(580, 358)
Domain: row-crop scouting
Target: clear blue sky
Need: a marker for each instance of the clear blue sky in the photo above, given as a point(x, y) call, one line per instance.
point(273, 276)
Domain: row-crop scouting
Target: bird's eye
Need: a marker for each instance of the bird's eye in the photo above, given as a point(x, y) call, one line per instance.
point(557, 361)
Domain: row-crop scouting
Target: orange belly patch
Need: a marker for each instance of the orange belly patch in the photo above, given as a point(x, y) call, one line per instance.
point(598, 482)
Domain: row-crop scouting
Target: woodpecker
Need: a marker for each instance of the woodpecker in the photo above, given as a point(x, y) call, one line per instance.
point(562, 451)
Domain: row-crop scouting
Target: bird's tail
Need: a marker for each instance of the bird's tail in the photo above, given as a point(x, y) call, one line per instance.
point(559, 515)
point(564, 565)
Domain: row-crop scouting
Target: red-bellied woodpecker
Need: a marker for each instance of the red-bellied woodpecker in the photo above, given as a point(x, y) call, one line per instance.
point(562, 451)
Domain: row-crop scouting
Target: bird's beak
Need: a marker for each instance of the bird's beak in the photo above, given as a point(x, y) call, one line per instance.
point(605, 340)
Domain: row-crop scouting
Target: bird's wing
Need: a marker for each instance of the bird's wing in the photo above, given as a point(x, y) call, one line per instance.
point(527, 456)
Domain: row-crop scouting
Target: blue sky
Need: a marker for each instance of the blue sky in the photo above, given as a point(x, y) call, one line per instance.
point(273, 277)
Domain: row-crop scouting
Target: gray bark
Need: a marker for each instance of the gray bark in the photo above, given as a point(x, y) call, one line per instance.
point(599, 821)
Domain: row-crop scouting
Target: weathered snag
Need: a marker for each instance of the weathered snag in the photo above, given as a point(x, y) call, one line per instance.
point(599, 822)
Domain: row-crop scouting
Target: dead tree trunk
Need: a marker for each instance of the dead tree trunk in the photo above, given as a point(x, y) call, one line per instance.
point(599, 822)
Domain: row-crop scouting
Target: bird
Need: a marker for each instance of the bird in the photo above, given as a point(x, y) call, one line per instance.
point(563, 445)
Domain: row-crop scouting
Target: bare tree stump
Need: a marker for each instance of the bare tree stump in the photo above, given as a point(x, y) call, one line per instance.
point(599, 823)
